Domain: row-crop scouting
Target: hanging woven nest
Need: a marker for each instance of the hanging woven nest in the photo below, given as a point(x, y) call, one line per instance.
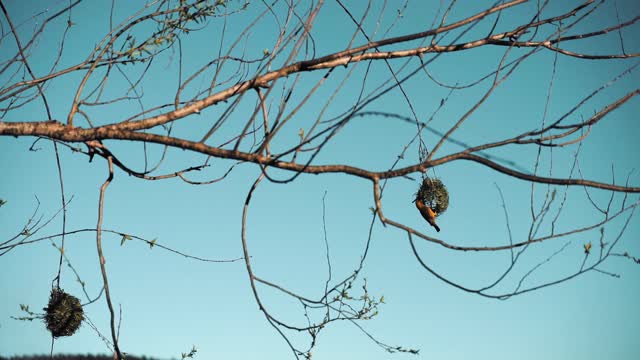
point(434, 194)
point(64, 313)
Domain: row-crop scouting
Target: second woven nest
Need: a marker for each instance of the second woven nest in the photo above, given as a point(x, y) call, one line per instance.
point(64, 313)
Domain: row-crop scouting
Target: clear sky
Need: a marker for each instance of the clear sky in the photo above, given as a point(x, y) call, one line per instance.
point(170, 303)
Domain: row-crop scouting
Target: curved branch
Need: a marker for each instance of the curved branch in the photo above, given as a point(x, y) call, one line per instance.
point(103, 269)
point(545, 180)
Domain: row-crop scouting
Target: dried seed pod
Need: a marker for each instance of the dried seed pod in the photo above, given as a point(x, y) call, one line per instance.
point(434, 194)
point(64, 313)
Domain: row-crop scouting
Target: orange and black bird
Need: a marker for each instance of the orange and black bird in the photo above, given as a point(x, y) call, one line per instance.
point(427, 213)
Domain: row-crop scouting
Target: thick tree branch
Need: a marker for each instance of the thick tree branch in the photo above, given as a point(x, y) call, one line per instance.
point(58, 131)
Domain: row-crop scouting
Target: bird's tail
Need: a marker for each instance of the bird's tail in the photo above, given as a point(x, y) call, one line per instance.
point(437, 227)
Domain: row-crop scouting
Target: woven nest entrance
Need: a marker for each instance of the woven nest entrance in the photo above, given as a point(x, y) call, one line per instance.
point(64, 313)
point(434, 194)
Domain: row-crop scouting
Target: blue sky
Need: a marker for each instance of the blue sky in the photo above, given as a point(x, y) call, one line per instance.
point(170, 303)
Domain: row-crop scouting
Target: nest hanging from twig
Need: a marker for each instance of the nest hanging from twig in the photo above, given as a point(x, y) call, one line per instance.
point(434, 194)
point(64, 313)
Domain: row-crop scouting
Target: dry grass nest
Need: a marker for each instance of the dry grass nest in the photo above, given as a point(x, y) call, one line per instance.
point(64, 313)
point(434, 194)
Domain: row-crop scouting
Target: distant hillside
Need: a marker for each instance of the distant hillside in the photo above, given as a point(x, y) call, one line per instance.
point(71, 357)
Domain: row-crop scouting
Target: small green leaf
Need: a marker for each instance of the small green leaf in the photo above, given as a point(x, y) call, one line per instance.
point(190, 354)
point(125, 237)
point(58, 248)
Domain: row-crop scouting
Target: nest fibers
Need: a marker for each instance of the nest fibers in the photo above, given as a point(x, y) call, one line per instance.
point(434, 194)
point(63, 314)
